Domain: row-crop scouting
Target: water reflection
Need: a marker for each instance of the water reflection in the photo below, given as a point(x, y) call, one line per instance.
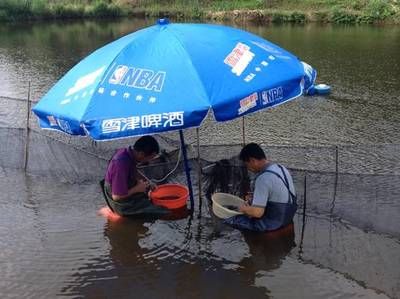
point(267, 250)
point(121, 272)
point(54, 244)
point(161, 271)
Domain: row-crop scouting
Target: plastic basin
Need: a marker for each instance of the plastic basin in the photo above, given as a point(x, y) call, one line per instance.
point(170, 196)
point(221, 202)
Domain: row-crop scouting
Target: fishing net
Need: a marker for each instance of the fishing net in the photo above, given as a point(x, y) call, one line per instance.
point(336, 180)
point(57, 154)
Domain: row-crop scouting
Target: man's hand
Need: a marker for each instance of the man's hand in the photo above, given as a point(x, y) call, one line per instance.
point(251, 211)
point(248, 197)
point(141, 186)
point(243, 207)
point(152, 186)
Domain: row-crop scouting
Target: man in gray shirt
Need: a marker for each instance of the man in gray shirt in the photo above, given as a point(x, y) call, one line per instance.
point(274, 201)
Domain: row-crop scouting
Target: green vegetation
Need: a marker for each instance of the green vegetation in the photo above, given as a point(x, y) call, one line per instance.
point(12, 10)
point(335, 11)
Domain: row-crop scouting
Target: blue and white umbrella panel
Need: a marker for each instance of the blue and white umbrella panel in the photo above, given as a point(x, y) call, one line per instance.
point(167, 77)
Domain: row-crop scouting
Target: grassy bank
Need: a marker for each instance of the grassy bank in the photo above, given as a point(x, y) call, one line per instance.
point(327, 11)
point(14, 10)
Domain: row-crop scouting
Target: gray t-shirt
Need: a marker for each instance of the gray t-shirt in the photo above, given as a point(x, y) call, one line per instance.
point(269, 187)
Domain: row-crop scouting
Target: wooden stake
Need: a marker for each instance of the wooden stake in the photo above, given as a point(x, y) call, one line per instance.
point(28, 108)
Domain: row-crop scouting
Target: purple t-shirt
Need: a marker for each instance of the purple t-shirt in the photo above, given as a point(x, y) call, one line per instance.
point(121, 172)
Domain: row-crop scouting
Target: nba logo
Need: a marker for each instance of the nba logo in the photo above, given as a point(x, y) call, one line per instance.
point(118, 74)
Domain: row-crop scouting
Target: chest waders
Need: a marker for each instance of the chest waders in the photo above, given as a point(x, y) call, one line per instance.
point(276, 214)
point(136, 204)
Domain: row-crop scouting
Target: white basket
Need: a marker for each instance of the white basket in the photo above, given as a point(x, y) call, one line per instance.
point(223, 199)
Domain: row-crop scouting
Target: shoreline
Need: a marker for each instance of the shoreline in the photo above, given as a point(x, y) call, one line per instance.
point(385, 14)
point(274, 16)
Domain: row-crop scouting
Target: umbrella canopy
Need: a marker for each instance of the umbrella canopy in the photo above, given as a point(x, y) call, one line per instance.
point(167, 77)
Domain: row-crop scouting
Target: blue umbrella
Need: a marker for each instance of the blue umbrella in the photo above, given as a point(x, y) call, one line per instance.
point(168, 77)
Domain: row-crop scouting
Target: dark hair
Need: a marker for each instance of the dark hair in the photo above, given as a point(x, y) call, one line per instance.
point(251, 150)
point(147, 144)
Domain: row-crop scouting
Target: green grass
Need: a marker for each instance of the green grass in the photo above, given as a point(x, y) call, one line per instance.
point(336, 11)
point(14, 10)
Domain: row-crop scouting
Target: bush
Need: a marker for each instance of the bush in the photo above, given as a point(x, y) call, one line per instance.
point(3, 15)
point(379, 9)
point(297, 17)
point(279, 17)
point(321, 16)
point(115, 11)
point(102, 9)
point(294, 17)
point(343, 17)
point(69, 11)
point(14, 9)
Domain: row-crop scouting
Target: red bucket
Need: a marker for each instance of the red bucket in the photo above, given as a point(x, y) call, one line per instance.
point(170, 196)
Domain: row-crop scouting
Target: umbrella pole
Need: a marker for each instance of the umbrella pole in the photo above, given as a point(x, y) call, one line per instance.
point(199, 166)
point(187, 170)
point(243, 132)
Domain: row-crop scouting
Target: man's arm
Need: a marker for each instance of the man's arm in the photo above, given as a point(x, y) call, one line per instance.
point(260, 198)
point(252, 211)
point(140, 187)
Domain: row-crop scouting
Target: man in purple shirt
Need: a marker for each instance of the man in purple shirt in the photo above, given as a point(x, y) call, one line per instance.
point(124, 189)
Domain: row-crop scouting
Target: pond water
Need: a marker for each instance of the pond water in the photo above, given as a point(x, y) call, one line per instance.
point(361, 63)
point(53, 242)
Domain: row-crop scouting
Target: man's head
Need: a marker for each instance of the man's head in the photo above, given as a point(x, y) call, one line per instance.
point(146, 148)
point(253, 157)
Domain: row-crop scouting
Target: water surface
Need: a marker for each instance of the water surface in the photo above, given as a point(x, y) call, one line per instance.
point(361, 63)
point(53, 243)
